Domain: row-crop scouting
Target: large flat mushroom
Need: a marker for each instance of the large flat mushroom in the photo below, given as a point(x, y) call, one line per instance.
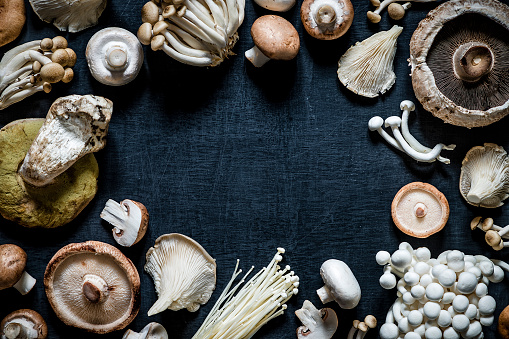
point(458, 55)
point(93, 286)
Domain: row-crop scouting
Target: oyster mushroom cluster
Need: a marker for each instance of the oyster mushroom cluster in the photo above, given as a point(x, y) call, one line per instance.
point(198, 33)
point(34, 67)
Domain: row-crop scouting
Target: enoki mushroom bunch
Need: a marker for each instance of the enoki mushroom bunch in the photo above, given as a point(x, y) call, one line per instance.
point(33, 67)
point(194, 32)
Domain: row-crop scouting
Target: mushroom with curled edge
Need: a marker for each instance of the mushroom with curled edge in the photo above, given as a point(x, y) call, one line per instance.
point(23, 324)
point(12, 20)
point(12, 269)
point(151, 331)
point(93, 286)
point(326, 19)
point(130, 219)
point(318, 324)
point(340, 284)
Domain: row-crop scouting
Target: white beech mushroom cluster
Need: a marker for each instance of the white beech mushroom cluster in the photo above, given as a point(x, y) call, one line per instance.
point(194, 32)
point(446, 297)
point(403, 140)
point(33, 67)
point(495, 235)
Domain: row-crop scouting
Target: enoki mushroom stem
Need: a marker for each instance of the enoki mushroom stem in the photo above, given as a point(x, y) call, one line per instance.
point(472, 61)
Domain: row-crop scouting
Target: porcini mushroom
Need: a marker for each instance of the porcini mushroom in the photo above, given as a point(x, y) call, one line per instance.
point(114, 56)
point(318, 324)
point(276, 5)
point(93, 286)
point(72, 16)
point(484, 179)
point(457, 54)
point(326, 19)
point(23, 324)
point(367, 67)
point(503, 323)
point(130, 219)
point(151, 331)
point(340, 284)
point(12, 20)
point(420, 210)
point(184, 273)
point(12, 269)
point(274, 38)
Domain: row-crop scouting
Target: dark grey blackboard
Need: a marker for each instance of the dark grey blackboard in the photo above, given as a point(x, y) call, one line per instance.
point(246, 160)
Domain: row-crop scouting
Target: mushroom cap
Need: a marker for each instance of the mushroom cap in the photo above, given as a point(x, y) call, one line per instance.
point(28, 318)
point(130, 219)
point(12, 20)
point(503, 323)
point(114, 56)
point(484, 179)
point(184, 273)
point(432, 48)
point(153, 330)
point(65, 279)
point(343, 20)
point(318, 324)
point(420, 210)
point(276, 5)
point(50, 206)
point(340, 283)
point(72, 16)
point(13, 260)
point(275, 37)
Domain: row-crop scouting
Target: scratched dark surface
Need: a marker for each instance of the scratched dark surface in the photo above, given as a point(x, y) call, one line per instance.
point(246, 160)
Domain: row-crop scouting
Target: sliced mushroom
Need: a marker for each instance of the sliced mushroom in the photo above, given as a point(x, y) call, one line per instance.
point(93, 286)
point(12, 20)
point(12, 269)
point(484, 179)
point(326, 19)
point(458, 56)
point(184, 273)
point(23, 324)
point(130, 219)
point(318, 324)
point(151, 331)
point(367, 67)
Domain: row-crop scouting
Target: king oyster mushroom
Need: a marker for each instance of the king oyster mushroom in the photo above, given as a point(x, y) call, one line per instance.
point(23, 324)
point(184, 273)
point(458, 55)
point(93, 286)
point(484, 179)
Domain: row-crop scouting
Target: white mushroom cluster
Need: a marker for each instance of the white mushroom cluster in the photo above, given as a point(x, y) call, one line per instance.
point(33, 67)
point(495, 235)
point(403, 140)
point(446, 297)
point(198, 33)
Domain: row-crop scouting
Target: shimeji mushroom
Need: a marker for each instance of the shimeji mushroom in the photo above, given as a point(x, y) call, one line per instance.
point(362, 327)
point(326, 19)
point(484, 179)
point(340, 284)
point(495, 235)
point(367, 67)
point(318, 324)
point(184, 273)
point(23, 324)
point(12, 269)
point(12, 20)
point(396, 11)
point(130, 219)
point(151, 331)
point(198, 33)
point(33, 67)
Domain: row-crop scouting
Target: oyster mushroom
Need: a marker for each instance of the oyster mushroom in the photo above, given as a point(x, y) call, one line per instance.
point(114, 56)
point(458, 56)
point(484, 179)
point(184, 273)
point(12, 20)
point(72, 16)
point(93, 286)
point(326, 19)
point(23, 324)
point(130, 219)
point(151, 331)
point(12, 269)
point(318, 324)
point(367, 67)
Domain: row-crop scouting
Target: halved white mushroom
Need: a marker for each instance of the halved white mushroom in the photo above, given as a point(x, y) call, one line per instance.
point(151, 331)
point(130, 219)
point(318, 324)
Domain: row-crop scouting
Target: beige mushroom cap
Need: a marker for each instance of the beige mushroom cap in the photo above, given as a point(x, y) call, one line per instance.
point(342, 18)
point(503, 323)
point(13, 260)
point(275, 37)
point(93, 286)
point(34, 325)
point(12, 20)
point(420, 210)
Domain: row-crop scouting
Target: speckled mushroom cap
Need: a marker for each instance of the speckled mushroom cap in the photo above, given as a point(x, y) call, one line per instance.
point(93, 286)
point(30, 319)
point(420, 210)
point(463, 33)
point(12, 20)
point(503, 323)
point(342, 22)
point(13, 260)
point(275, 37)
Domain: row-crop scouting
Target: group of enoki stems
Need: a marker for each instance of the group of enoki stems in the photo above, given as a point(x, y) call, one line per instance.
point(33, 67)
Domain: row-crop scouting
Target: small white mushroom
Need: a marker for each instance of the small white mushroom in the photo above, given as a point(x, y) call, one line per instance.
point(130, 219)
point(318, 324)
point(151, 331)
point(460, 322)
point(460, 303)
point(340, 284)
point(467, 282)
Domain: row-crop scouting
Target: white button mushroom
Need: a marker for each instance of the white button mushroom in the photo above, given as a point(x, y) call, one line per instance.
point(318, 324)
point(130, 219)
point(340, 284)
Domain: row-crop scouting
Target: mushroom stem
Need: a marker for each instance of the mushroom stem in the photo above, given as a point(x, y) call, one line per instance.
point(472, 60)
point(18, 330)
point(354, 328)
point(325, 295)
point(95, 289)
point(6, 80)
point(257, 58)
point(20, 96)
point(25, 283)
point(325, 15)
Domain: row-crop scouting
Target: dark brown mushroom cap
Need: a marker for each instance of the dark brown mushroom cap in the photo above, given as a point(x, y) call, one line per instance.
point(275, 37)
point(69, 294)
point(29, 316)
point(334, 31)
point(12, 264)
point(12, 20)
point(503, 323)
point(451, 25)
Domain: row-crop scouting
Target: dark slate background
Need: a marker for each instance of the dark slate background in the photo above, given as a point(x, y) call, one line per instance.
point(246, 160)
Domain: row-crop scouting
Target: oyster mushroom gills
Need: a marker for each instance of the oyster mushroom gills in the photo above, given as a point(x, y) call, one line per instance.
point(326, 19)
point(24, 324)
point(130, 219)
point(12, 20)
point(460, 63)
point(93, 286)
point(13, 260)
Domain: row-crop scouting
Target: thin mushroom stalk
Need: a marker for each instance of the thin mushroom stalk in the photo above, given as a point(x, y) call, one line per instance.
point(374, 16)
point(495, 235)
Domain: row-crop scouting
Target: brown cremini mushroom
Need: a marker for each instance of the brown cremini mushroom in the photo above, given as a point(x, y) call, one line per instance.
point(420, 210)
point(12, 20)
point(326, 19)
point(23, 324)
point(12, 269)
point(503, 323)
point(93, 286)
point(458, 55)
point(274, 38)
